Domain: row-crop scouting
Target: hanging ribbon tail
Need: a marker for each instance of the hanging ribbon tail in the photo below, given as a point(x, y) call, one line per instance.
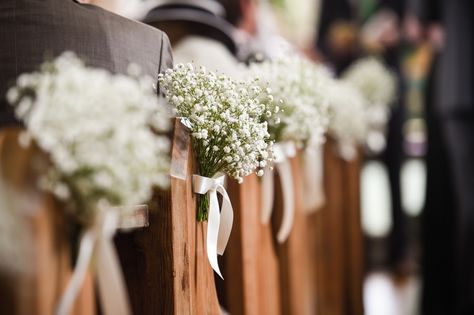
point(213, 223)
point(112, 290)
point(219, 223)
point(226, 221)
point(86, 248)
point(286, 179)
point(267, 195)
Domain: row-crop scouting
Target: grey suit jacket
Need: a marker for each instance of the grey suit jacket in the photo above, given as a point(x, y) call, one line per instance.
point(32, 30)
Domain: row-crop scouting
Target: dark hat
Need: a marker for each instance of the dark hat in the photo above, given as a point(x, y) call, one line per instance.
point(205, 18)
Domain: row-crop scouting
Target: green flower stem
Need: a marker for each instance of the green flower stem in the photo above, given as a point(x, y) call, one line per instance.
point(205, 169)
point(203, 208)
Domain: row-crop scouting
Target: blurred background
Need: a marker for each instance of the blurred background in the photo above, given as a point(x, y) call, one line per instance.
point(416, 181)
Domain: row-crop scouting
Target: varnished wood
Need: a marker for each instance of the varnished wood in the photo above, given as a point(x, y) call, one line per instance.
point(165, 264)
point(354, 237)
point(296, 255)
point(39, 290)
point(340, 237)
point(333, 242)
point(251, 271)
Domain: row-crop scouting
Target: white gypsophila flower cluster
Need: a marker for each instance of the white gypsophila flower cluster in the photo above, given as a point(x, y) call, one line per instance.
point(226, 119)
point(100, 130)
point(374, 81)
point(299, 85)
point(348, 119)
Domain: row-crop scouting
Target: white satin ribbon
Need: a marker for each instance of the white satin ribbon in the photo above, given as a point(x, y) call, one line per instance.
point(282, 152)
point(219, 223)
point(313, 169)
point(97, 240)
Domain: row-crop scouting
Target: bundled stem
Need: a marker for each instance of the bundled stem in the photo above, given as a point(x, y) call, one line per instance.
point(203, 208)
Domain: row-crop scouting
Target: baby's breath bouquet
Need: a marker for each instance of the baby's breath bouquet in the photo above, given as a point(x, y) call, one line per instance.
point(377, 84)
point(299, 86)
point(101, 132)
point(227, 119)
point(373, 79)
point(348, 119)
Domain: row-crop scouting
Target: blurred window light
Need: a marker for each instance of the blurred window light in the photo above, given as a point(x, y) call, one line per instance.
point(413, 186)
point(375, 199)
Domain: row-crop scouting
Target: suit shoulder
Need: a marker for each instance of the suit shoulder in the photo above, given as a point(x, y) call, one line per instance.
point(130, 25)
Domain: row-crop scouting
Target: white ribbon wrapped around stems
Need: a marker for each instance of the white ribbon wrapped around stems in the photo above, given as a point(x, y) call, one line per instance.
point(97, 239)
point(282, 152)
point(220, 222)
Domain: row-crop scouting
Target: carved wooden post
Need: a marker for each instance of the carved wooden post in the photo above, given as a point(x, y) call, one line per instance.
point(251, 273)
point(165, 264)
point(39, 290)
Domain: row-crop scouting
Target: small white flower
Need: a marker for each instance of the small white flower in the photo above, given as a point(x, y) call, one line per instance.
point(12, 95)
point(374, 81)
point(299, 86)
point(226, 119)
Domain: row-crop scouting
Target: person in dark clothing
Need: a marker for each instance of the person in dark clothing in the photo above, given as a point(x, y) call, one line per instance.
point(341, 40)
point(455, 112)
point(31, 31)
point(437, 221)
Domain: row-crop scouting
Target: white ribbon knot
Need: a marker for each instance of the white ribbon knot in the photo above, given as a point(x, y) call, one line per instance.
point(97, 239)
point(220, 222)
point(282, 152)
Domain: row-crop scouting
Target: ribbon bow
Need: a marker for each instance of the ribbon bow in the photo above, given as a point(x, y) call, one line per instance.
point(97, 240)
point(282, 151)
point(220, 222)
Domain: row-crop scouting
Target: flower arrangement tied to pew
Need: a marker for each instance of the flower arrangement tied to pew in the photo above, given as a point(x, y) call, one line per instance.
point(229, 129)
point(348, 118)
point(377, 84)
point(299, 86)
point(103, 134)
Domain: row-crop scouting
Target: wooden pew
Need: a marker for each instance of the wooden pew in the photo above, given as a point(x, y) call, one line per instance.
point(354, 235)
point(37, 290)
point(261, 276)
point(297, 256)
point(340, 234)
point(165, 265)
point(251, 271)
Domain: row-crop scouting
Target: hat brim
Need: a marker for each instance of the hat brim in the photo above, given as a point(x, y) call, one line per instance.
point(221, 29)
